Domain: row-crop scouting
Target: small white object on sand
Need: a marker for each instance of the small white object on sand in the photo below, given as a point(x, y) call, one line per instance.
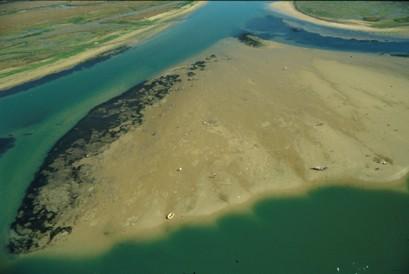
point(213, 175)
point(319, 168)
point(170, 215)
point(179, 169)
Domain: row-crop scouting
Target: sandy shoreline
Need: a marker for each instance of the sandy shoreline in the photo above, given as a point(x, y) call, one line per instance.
point(250, 125)
point(287, 8)
point(164, 21)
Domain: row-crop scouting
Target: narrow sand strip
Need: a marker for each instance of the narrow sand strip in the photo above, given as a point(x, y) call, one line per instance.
point(164, 21)
point(287, 8)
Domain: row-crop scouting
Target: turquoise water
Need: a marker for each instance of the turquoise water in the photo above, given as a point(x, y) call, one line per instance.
point(354, 230)
point(39, 116)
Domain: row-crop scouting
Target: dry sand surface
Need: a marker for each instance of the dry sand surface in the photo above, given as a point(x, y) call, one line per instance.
point(252, 124)
point(287, 8)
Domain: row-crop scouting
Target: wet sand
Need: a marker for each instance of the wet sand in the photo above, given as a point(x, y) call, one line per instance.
point(242, 123)
point(287, 8)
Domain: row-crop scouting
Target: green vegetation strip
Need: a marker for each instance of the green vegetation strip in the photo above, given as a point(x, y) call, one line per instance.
point(379, 14)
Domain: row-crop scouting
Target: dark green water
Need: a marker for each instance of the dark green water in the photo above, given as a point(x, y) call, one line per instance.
point(358, 231)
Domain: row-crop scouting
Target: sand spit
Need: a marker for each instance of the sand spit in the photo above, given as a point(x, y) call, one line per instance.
point(243, 122)
point(287, 8)
point(163, 21)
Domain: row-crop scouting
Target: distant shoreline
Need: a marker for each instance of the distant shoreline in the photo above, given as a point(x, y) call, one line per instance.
point(288, 9)
point(23, 81)
point(57, 74)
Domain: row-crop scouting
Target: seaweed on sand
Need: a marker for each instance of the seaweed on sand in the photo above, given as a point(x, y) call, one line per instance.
point(249, 39)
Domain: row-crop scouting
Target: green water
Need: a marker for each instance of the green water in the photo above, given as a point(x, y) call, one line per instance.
point(358, 231)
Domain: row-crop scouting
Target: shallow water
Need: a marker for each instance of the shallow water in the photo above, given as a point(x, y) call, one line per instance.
point(354, 230)
point(39, 116)
point(292, 31)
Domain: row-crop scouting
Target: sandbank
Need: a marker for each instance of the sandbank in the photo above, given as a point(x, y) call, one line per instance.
point(252, 124)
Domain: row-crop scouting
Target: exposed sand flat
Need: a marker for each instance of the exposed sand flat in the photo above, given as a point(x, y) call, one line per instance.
point(287, 8)
point(252, 124)
point(163, 20)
